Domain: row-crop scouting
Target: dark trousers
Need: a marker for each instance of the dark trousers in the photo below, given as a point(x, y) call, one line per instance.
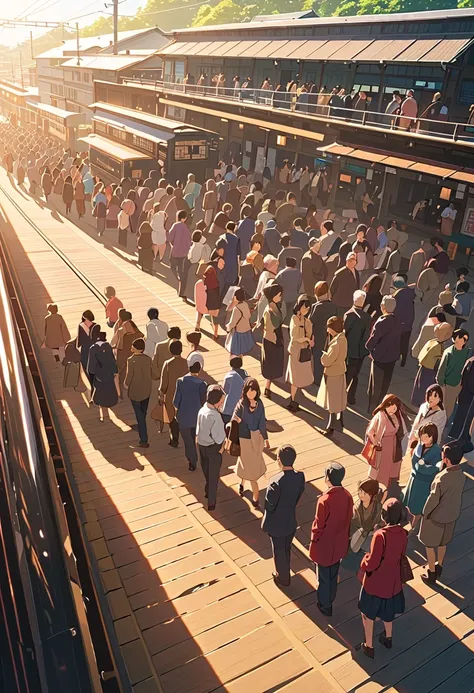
point(174, 431)
point(140, 409)
point(281, 547)
point(327, 584)
point(211, 460)
point(189, 439)
point(352, 377)
point(180, 267)
point(404, 345)
point(379, 382)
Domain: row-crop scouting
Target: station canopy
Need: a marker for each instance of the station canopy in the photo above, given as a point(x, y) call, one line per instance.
point(399, 50)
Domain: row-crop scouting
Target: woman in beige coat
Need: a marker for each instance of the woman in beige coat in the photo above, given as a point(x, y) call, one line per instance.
point(332, 394)
point(56, 333)
point(240, 339)
point(300, 364)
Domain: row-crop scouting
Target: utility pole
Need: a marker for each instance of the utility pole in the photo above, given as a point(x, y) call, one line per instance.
point(21, 72)
point(78, 47)
point(115, 27)
point(31, 46)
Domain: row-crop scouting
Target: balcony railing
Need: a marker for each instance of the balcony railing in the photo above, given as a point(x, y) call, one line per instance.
point(317, 105)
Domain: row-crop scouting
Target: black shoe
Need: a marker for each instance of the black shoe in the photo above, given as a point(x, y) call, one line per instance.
point(386, 642)
point(143, 445)
point(267, 393)
point(368, 651)
point(429, 577)
point(241, 489)
point(325, 611)
point(278, 582)
point(351, 401)
point(293, 406)
point(328, 432)
point(256, 504)
point(134, 427)
point(438, 570)
point(210, 508)
point(173, 443)
point(191, 468)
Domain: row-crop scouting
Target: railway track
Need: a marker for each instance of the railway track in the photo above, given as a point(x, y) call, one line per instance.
point(75, 650)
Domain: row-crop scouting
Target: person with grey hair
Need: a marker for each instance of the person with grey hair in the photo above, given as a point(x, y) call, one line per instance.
point(345, 282)
point(383, 346)
point(357, 328)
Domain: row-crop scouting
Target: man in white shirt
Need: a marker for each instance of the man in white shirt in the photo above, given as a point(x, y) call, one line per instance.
point(210, 438)
point(156, 332)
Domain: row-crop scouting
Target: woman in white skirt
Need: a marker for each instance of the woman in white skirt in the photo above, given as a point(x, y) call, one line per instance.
point(332, 394)
point(249, 414)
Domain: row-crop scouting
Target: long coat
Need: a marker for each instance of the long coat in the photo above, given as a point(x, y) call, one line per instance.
point(320, 314)
point(103, 367)
point(174, 368)
point(342, 287)
point(56, 333)
point(330, 530)
point(332, 392)
point(85, 341)
point(422, 474)
point(313, 269)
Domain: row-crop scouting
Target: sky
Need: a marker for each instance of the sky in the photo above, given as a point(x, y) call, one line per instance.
point(54, 11)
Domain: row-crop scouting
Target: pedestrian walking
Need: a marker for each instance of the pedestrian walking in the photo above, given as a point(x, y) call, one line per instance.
point(138, 384)
point(383, 346)
point(210, 436)
point(381, 596)
point(156, 331)
point(273, 354)
point(357, 330)
point(249, 417)
point(103, 367)
point(240, 339)
point(332, 394)
point(173, 369)
point(145, 247)
point(299, 371)
point(313, 267)
point(404, 296)
point(179, 238)
point(189, 397)
point(426, 463)
point(385, 432)
point(321, 311)
point(345, 282)
point(279, 520)
point(432, 410)
point(450, 369)
point(464, 413)
point(56, 333)
point(112, 306)
point(428, 359)
point(366, 518)
point(87, 335)
point(442, 510)
point(330, 535)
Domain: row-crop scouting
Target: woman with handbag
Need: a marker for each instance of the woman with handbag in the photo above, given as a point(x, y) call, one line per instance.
point(273, 354)
point(383, 571)
point(240, 339)
point(299, 372)
point(426, 463)
point(384, 435)
point(249, 414)
point(367, 515)
point(332, 393)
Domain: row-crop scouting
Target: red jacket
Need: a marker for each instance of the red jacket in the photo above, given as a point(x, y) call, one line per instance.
point(380, 568)
point(330, 531)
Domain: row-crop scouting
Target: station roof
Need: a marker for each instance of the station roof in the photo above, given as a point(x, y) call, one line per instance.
point(113, 149)
point(106, 62)
point(146, 118)
point(375, 157)
point(139, 129)
point(54, 110)
point(432, 50)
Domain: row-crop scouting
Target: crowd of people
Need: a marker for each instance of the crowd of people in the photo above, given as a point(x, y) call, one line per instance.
point(312, 298)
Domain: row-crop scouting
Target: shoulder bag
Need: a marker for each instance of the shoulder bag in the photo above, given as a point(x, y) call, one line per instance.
point(305, 353)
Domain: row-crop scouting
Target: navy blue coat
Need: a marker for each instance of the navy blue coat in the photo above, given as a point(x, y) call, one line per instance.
point(283, 493)
point(231, 257)
point(405, 308)
point(384, 342)
point(189, 397)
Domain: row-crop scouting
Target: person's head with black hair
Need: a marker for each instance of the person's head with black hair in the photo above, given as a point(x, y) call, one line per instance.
point(182, 215)
point(215, 395)
point(174, 333)
point(299, 224)
point(452, 453)
point(102, 337)
point(240, 295)
point(236, 363)
point(138, 346)
point(461, 273)
point(273, 292)
point(153, 313)
point(302, 305)
point(437, 243)
point(436, 315)
point(196, 237)
point(285, 240)
point(88, 315)
point(230, 226)
point(460, 338)
point(291, 197)
point(462, 287)
point(290, 262)
point(434, 396)
point(394, 512)
point(176, 348)
point(286, 455)
point(335, 474)
point(195, 368)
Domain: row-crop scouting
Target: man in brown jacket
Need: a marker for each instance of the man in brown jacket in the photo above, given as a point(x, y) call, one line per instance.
point(138, 383)
point(56, 333)
point(442, 509)
point(122, 341)
point(345, 282)
point(174, 368)
point(162, 352)
point(313, 267)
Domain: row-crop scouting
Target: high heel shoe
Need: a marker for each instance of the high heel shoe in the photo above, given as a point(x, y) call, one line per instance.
point(241, 490)
point(267, 393)
point(256, 504)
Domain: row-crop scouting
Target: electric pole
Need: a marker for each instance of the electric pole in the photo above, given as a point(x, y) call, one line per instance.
point(78, 47)
point(21, 72)
point(31, 46)
point(115, 27)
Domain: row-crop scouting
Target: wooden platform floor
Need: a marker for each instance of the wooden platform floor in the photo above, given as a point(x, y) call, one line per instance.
point(191, 596)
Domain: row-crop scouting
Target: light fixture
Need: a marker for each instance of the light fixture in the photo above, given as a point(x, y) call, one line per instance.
point(281, 140)
point(241, 126)
point(224, 120)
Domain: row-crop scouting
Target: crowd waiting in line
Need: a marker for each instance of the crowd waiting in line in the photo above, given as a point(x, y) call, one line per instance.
point(250, 252)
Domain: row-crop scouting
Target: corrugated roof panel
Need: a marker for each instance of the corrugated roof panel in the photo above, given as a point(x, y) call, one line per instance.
point(446, 50)
point(350, 50)
point(384, 49)
point(231, 45)
point(431, 170)
point(199, 48)
point(250, 50)
point(266, 51)
point(262, 45)
point(308, 48)
point(176, 48)
point(216, 48)
point(239, 49)
point(417, 50)
point(328, 49)
point(284, 52)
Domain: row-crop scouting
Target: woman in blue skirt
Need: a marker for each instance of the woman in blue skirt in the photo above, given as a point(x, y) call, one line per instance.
point(381, 596)
point(240, 339)
point(426, 463)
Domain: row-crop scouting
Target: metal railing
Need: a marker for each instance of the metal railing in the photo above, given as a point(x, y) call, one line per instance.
point(322, 105)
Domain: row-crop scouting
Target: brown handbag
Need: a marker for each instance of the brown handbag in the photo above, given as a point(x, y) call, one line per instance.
point(369, 452)
point(233, 435)
point(405, 570)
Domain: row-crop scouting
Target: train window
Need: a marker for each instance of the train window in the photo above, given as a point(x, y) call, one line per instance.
point(190, 150)
point(143, 143)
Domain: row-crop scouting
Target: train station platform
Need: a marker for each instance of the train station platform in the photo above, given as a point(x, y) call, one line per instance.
point(190, 593)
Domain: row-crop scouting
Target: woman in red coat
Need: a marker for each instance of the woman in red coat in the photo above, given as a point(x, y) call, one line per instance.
point(380, 572)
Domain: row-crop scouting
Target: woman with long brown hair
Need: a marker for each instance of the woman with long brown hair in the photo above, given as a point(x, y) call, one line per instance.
point(385, 431)
point(249, 415)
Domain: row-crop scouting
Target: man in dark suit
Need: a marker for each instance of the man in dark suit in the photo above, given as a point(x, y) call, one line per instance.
point(189, 397)
point(279, 521)
point(330, 535)
point(345, 282)
point(384, 349)
point(357, 329)
point(138, 384)
point(405, 312)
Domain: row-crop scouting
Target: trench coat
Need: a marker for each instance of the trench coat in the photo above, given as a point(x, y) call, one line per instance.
point(103, 367)
point(56, 333)
point(332, 394)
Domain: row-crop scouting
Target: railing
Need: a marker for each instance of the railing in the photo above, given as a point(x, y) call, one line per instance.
point(320, 104)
